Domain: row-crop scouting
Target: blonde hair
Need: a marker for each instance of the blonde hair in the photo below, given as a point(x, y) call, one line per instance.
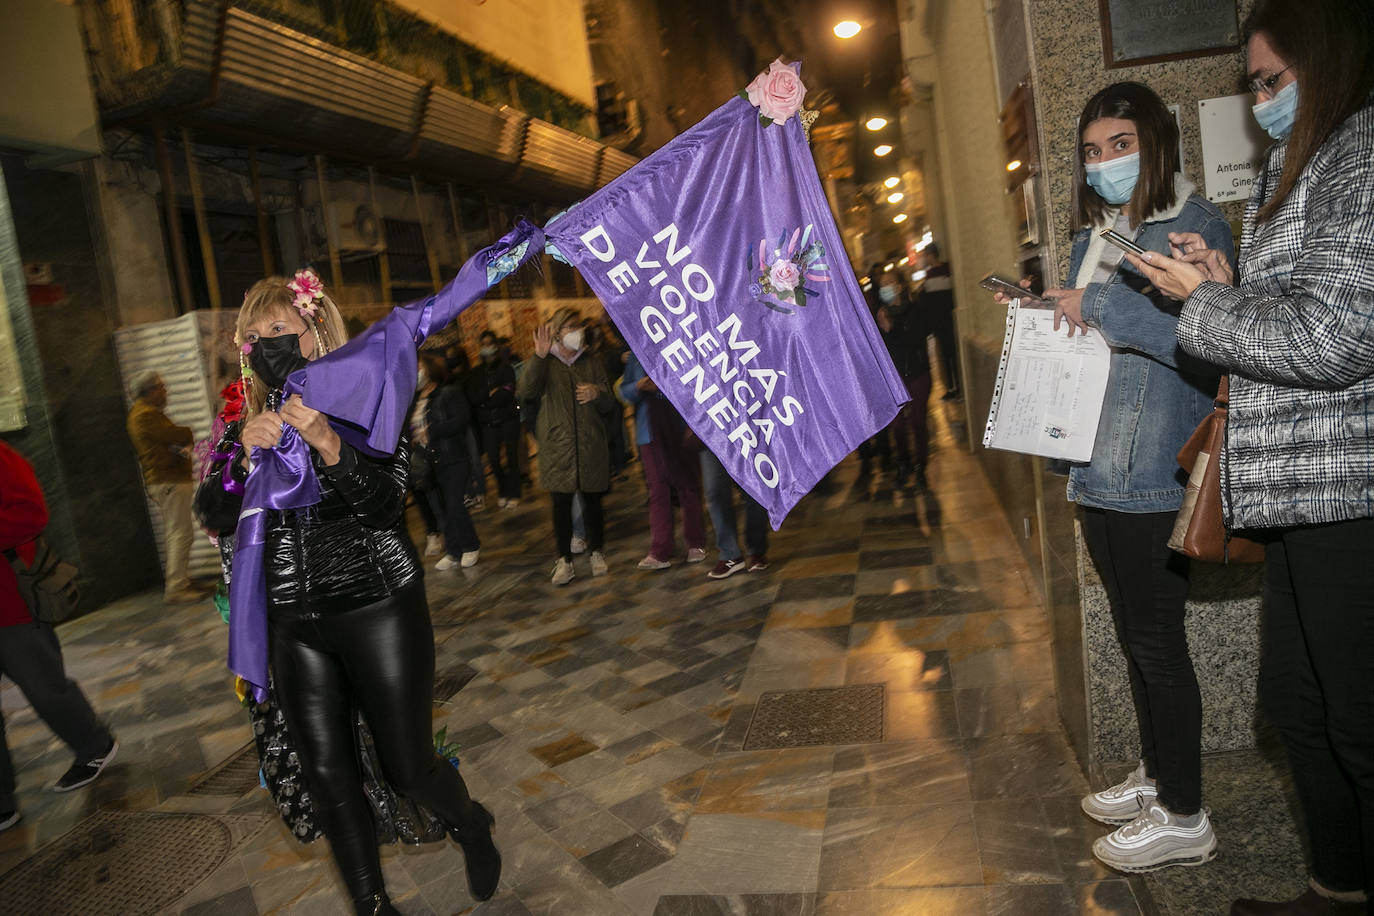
point(562, 317)
point(272, 296)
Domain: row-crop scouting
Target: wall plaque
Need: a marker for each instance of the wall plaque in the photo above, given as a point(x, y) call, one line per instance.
point(1145, 31)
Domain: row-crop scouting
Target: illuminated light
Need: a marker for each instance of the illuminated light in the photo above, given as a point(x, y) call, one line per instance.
point(892, 182)
point(875, 123)
point(847, 29)
point(888, 266)
point(1013, 165)
point(895, 196)
point(882, 150)
point(899, 218)
point(904, 262)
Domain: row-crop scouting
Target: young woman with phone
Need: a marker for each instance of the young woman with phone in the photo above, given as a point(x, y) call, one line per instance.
point(1126, 179)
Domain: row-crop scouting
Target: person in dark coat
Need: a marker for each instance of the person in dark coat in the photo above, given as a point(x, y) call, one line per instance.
point(491, 389)
point(449, 418)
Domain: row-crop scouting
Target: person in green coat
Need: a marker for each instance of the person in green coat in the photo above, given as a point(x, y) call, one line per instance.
point(574, 457)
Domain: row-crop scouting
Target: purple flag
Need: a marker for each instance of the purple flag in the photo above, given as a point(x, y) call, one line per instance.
point(719, 261)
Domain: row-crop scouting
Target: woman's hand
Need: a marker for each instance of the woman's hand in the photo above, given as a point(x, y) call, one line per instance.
point(1191, 247)
point(1176, 279)
point(543, 339)
point(263, 431)
point(1003, 299)
point(1068, 306)
point(586, 392)
point(884, 321)
point(313, 427)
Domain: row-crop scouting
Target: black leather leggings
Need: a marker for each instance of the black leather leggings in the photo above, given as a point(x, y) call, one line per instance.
point(381, 658)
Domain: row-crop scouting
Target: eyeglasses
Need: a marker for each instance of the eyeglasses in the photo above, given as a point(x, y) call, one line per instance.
point(1266, 86)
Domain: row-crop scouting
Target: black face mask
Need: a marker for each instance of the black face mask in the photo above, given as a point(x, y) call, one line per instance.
point(274, 358)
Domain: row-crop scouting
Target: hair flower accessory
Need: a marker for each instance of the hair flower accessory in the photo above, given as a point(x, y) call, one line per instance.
point(308, 287)
point(777, 92)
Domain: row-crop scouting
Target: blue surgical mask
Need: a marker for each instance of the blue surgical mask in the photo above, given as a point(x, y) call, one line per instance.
point(1114, 181)
point(1276, 115)
point(888, 294)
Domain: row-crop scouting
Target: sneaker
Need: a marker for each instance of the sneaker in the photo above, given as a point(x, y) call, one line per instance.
point(85, 771)
point(468, 559)
point(502, 502)
point(756, 563)
point(511, 504)
point(8, 819)
point(1122, 803)
point(434, 545)
point(653, 562)
point(563, 572)
point(725, 569)
point(1158, 838)
point(599, 567)
point(579, 544)
point(446, 562)
point(695, 554)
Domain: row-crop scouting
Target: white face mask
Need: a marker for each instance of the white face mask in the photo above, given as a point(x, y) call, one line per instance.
point(572, 340)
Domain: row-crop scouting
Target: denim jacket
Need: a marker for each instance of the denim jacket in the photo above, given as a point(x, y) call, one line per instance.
point(1156, 393)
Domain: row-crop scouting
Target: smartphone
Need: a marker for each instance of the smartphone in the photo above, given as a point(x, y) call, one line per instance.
point(1120, 241)
point(1009, 288)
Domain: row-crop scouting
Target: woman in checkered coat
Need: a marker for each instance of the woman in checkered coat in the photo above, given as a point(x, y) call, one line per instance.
point(1297, 335)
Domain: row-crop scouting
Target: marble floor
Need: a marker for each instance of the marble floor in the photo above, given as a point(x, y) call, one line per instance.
point(603, 724)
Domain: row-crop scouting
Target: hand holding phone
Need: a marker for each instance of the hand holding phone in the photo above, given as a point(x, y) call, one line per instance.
point(1010, 288)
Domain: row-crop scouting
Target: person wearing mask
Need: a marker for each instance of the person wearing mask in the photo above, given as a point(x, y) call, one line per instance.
point(491, 390)
point(1297, 336)
point(447, 422)
point(348, 625)
point(164, 454)
point(30, 654)
point(1126, 178)
point(574, 397)
point(670, 465)
point(936, 303)
point(903, 327)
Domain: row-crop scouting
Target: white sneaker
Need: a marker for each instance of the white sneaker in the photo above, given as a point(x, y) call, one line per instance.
point(512, 503)
point(579, 544)
point(434, 545)
point(563, 572)
point(1158, 839)
point(1123, 802)
point(599, 567)
point(695, 554)
point(502, 502)
point(653, 562)
point(446, 562)
point(468, 559)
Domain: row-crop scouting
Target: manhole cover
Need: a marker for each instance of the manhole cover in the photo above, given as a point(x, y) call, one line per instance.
point(117, 862)
point(807, 718)
point(234, 778)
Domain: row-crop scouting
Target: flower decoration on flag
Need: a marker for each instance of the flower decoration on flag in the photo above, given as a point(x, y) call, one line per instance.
point(779, 276)
point(309, 288)
point(776, 92)
point(233, 397)
point(500, 268)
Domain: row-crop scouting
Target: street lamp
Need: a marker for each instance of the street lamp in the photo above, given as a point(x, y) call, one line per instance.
point(882, 150)
point(892, 182)
point(847, 29)
point(877, 122)
point(895, 197)
point(899, 218)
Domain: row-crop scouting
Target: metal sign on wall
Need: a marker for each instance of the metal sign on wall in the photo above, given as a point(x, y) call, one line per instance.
point(1143, 31)
point(1232, 146)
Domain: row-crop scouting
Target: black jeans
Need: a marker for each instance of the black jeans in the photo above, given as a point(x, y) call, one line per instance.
point(1147, 585)
point(379, 658)
point(460, 535)
point(1317, 685)
point(507, 475)
point(563, 527)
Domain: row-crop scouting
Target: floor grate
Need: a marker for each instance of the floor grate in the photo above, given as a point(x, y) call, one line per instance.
point(235, 777)
point(117, 862)
point(810, 718)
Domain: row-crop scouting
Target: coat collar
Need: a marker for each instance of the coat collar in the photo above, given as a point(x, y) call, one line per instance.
point(1183, 189)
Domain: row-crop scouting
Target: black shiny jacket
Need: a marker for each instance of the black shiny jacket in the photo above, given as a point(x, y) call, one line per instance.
point(351, 548)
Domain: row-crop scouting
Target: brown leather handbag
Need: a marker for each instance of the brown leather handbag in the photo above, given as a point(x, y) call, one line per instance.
point(1200, 529)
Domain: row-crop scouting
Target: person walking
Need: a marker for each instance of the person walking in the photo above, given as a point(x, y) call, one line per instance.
point(491, 389)
point(164, 454)
point(30, 654)
point(447, 424)
point(574, 457)
point(904, 331)
point(720, 502)
point(1297, 336)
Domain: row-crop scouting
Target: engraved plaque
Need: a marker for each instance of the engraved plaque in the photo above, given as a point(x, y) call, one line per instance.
point(1138, 31)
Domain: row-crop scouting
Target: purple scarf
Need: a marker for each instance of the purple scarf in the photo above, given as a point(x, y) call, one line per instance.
point(365, 387)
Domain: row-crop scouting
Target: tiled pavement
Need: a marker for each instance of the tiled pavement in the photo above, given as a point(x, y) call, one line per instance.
point(603, 724)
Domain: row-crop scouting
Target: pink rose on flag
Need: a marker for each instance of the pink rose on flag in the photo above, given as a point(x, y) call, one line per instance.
point(784, 275)
point(778, 92)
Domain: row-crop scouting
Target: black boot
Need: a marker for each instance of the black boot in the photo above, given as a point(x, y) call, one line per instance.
point(479, 851)
point(374, 905)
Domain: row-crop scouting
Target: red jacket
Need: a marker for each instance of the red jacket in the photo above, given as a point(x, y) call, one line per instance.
point(23, 516)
